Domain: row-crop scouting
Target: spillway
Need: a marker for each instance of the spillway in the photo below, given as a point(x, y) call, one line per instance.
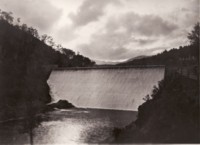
point(121, 89)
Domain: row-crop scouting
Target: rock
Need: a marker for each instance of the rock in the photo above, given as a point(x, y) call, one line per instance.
point(61, 104)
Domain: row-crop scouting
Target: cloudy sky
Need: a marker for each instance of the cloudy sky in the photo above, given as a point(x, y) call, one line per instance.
point(110, 30)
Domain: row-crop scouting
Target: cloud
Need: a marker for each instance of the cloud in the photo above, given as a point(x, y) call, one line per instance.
point(110, 29)
point(38, 13)
point(66, 34)
point(125, 35)
point(148, 25)
point(90, 11)
point(187, 15)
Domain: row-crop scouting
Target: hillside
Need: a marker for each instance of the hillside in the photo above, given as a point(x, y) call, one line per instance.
point(25, 64)
point(132, 59)
point(170, 114)
point(182, 56)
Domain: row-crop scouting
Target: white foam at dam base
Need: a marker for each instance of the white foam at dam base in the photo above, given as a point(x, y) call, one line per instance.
point(121, 89)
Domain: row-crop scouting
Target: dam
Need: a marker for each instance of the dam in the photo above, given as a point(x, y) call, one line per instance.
point(118, 88)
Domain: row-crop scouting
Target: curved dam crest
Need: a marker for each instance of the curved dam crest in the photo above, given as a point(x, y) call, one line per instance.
point(120, 89)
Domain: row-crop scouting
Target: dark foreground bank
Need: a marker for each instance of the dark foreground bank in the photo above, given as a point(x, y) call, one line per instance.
point(169, 115)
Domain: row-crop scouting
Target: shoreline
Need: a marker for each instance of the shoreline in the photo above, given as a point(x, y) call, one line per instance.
point(108, 67)
point(75, 108)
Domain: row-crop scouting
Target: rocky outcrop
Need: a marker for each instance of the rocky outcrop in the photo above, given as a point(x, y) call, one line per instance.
point(61, 104)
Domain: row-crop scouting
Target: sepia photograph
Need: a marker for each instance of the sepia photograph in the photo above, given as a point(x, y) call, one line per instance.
point(99, 72)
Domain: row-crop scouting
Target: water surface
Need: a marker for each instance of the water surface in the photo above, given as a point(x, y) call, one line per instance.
point(76, 126)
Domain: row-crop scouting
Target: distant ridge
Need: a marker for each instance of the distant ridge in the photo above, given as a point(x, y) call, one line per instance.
point(135, 58)
point(114, 62)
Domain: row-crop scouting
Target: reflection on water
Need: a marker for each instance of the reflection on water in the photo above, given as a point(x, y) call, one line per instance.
point(68, 127)
point(122, 89)
point(66, 131)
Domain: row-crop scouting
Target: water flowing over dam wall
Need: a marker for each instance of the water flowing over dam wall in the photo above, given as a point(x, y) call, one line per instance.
point(122, 89)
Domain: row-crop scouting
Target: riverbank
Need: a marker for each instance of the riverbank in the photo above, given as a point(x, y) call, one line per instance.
point(169, 115)
point(99, 67)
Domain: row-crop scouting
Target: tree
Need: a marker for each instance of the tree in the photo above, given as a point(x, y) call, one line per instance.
point(48, 40)
point(18, 23)
point(7, 16)
point(44, 38)
point(24, 27)
point(59, 47)
point(33, 32)
point(18, 20)
point(194, 35)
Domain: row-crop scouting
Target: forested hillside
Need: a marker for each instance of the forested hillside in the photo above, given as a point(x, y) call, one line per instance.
point(184, 55)
point(170, 114)
point(26, 59)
